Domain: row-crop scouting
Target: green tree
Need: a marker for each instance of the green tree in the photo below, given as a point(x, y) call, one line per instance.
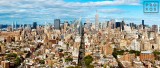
point(12, 55)
point(41, 61)
point(90, 66)
point(88, 59)
point(117, 52)
point(71, 67)
point(68, 59)
point(17, 61)
point(137, 53)
point(157, 55)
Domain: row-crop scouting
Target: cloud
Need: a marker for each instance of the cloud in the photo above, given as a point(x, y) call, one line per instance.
point(61, 3)
point(50, 9)
point(102, 3)
point(114, 10)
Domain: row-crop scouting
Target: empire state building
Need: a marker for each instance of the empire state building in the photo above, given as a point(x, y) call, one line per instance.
point(97, 21)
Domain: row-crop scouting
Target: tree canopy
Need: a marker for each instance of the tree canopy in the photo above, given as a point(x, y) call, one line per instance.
point(88, 59)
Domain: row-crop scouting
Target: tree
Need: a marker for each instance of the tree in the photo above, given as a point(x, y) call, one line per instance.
point(41, 61)
point(17, 61)
point(71, 67)
point(137, 53)
point(120, 52)
point(67, 46)
point(12, 55)
point(116, 52)
point(90, 66)
point(68, 59)
point(157, 55)
point(88, 59)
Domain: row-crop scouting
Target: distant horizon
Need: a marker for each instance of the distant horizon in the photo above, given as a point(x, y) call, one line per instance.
point(40, 11)
point(61, 22)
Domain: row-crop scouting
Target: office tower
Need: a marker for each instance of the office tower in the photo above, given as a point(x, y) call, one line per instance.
point(88, 23)
point(112, 24)
point(155, 28)
point(97, 21)
point(45, 25)
point(65, 26)
point(122, 25)
point(108, 24)
point(34, 25)
point(118, 24)
point(85, 24)
point(12, 26)
point(1, 26)
point(23, 26)
point(79, 26)
point(143, 24)
point(15, 25)
point(104, 25)
point(100, 25)
point(9, 28)
point(132, 25)
point(57, 24)
point(158, 28)
point(28, 26)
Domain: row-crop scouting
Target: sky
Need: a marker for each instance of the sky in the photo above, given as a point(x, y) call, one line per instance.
point(40, 11)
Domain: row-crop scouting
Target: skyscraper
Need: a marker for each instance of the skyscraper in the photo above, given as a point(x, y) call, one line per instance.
point(57, 23)
point(97, 21)
point(158, 28)
point(143, 24)
point(12, 26)
point(45, 25)
point(0, 26)
point(34, 25)
point(15, 25)
point(155, 28)
point(122, 25)
point(112, 24)
point(118, 24)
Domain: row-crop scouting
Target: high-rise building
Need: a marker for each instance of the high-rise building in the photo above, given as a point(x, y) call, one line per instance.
point(88, 23)
point(96, 21)
point(12, 26)
point(34, 25)
point(1, 26)
point(158, 28)
point(143, 24)
point(15, 25)
point(118, 24)
point(155, 28)
point(112, 24)
point(132, 25)
point(122, 25)
point(57, 23)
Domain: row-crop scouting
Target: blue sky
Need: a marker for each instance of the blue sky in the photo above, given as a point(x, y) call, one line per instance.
point(28, 11)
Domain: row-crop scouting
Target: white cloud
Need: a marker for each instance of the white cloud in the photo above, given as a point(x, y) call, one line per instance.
point(42, 9)
point(114, 10)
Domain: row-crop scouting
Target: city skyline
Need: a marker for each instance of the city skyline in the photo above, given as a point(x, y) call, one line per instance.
point(40, 11)
point(79, 34)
